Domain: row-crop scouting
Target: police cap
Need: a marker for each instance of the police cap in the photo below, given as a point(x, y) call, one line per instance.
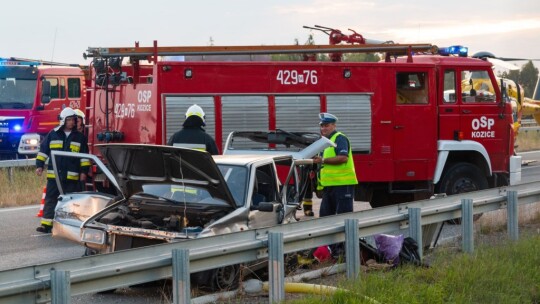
point(327, 118)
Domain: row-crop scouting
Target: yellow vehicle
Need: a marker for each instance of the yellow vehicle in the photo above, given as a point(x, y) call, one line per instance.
point(521, 105)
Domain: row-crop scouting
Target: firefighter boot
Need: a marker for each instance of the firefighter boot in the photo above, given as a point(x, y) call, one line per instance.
point(308, 207)
point(44, 229)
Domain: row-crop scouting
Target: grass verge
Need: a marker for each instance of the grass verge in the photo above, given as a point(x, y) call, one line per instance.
point(20, 187)
point(506, 272)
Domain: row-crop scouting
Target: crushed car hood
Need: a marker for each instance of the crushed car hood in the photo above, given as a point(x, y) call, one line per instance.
point(134, 165)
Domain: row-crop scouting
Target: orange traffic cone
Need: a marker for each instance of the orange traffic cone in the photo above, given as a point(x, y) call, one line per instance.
point(40, 213)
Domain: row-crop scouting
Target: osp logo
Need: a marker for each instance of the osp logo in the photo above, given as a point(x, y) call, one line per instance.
point(143, 98)
point(483, 123)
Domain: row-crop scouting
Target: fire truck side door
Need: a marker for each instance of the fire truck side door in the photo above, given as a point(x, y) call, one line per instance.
point(449, 113)
point(415, 125)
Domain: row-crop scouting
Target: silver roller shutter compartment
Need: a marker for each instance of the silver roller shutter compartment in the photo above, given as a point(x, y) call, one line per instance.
point(354, 118)
point(244, 113)
point(176, 107)
point(298, 113)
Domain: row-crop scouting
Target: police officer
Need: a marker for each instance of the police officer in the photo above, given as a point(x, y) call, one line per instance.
point(193, 135)
point(71, 170)
point(337, 175)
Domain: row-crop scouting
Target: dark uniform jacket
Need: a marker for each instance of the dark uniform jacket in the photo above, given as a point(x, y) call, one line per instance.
point(195, 138)
point(68, 168)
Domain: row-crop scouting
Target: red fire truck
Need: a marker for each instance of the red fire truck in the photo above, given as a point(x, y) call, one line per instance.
point(32, 94)
point(413, 129)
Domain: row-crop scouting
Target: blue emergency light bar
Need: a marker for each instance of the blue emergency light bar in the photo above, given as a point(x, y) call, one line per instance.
point(11, 62)
point(461, 51)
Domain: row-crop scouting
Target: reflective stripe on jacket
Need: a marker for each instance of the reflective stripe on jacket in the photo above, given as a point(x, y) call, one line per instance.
point(69, 168)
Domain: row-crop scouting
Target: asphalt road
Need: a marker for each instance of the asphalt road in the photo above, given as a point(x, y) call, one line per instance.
point(21, 245)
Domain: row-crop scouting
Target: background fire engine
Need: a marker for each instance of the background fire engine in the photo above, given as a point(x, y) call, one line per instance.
point(32, 94)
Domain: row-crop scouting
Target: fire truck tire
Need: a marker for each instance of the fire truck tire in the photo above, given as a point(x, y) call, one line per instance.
point(461, 178)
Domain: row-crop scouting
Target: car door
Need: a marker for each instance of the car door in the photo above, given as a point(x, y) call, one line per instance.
point(264, 201)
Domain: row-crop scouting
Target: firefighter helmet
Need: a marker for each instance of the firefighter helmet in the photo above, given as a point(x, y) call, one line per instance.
point(195, 110)
point(67, 112)
point(81, 115)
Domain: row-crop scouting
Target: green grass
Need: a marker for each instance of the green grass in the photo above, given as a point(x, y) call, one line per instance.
point(506, 273)
point(21, 187)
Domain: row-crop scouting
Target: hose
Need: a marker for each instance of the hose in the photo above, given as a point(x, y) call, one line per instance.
point(291, 286)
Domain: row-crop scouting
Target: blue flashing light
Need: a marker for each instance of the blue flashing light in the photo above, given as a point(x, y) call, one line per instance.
point(10, 62)
point(17, 128)
point(461, 51)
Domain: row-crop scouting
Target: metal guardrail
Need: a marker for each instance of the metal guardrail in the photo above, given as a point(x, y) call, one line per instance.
point(18, 163)
point(10, 164)
point(528, 123)
point(530, 129)
point(57, 281)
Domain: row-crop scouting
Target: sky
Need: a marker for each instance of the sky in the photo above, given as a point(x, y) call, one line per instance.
point(62, 30)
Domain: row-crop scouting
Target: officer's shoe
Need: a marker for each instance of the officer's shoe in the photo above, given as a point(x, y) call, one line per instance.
point(44, 229)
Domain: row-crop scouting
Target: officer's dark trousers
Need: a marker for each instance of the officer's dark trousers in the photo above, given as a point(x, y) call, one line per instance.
point(336, 200)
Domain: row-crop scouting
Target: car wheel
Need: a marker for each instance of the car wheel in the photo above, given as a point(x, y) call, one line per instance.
point(226, 278)
point(461, 178)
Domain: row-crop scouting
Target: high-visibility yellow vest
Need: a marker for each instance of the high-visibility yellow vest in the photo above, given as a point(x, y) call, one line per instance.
point(337, 175)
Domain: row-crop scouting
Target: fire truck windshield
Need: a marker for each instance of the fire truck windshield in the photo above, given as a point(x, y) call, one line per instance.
point(17, 87)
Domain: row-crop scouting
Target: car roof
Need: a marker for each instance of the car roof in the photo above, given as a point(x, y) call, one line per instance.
point(246, 159)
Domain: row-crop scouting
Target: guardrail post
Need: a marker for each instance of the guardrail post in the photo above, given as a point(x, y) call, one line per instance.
point(10, 174)
point(276, 267)
point(467, 229)
point(352, 248)
point(180, 272)
point(512, 210)
point(60, 287)
point(415, 228)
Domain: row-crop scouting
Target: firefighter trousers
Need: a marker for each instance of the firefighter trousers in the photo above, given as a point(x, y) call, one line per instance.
point(51, 198)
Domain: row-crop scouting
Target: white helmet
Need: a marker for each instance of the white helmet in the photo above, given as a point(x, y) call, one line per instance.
point(81, 115)
point(195, 110)
point(67, 112)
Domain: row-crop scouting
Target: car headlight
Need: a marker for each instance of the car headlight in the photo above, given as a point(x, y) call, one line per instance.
point(93, 236)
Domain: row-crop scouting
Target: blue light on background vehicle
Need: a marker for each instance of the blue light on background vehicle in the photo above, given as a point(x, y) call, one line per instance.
point(17, 128)
point(13, 62)
point(461, 51)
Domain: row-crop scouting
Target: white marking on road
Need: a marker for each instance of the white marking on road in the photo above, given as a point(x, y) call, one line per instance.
point(41, 234)
point(18, 208)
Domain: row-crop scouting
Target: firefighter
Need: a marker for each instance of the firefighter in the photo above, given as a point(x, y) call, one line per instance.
point(80, 121)
point(64, 137)
point(82, 129)
point(193, 134)
point(337, 175)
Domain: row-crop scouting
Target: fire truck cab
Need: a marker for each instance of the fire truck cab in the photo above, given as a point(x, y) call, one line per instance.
point(413, 128)
point(32, 94)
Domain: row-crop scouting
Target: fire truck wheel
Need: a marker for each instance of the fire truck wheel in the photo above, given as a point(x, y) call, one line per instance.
point(461, 178)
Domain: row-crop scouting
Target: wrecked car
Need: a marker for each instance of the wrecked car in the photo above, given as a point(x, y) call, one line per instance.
point(169, 194)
